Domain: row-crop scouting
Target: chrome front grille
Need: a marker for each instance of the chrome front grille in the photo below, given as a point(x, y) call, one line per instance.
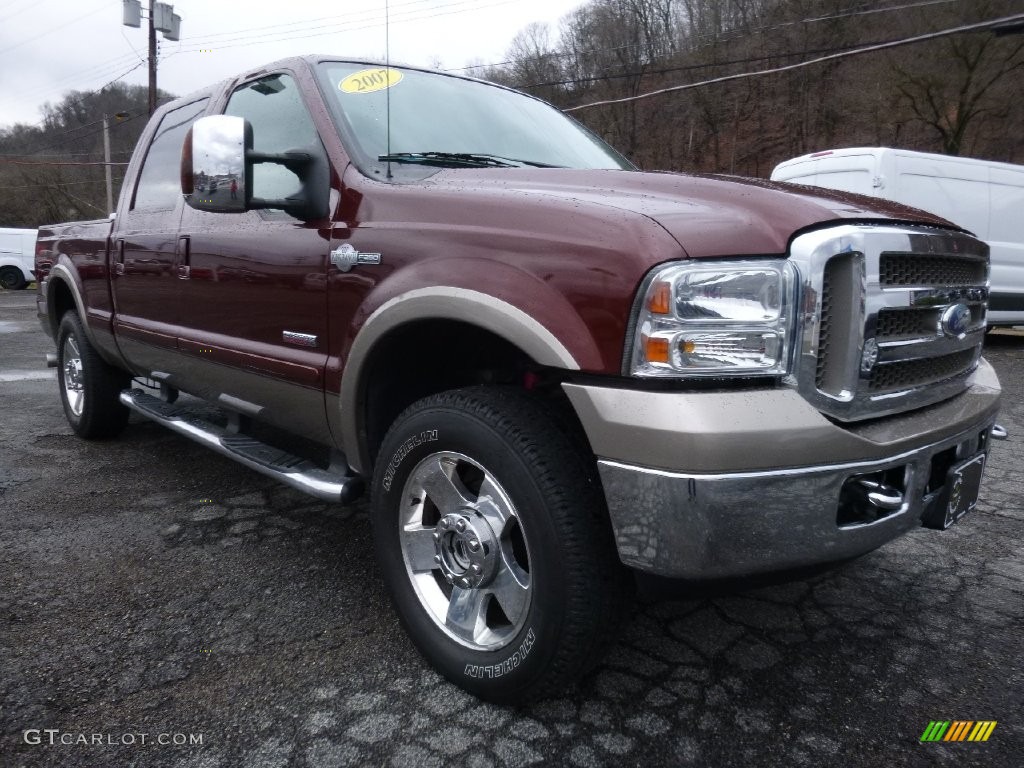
point(896, 269)
point(893, 318)
point(912, 373)
point(906, 323)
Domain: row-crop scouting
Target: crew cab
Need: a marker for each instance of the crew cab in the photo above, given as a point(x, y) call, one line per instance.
point(547, 366)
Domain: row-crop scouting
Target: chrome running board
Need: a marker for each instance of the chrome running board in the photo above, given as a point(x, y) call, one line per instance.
point(328, 484)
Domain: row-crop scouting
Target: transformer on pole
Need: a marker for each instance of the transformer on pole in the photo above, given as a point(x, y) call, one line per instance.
point(161, 18)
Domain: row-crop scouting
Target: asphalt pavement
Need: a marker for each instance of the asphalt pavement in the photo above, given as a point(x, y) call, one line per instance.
point(163, 606)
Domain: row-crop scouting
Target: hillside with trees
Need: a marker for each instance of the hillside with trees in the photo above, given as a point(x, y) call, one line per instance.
point(958, 94)
point(53, 171)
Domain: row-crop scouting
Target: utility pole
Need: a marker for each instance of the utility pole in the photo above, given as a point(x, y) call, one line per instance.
point(106, 166)
point(161, 18)
point(152, 61)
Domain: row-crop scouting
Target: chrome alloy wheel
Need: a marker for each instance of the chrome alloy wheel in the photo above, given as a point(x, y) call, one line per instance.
point(74, 380)
point(465, 551)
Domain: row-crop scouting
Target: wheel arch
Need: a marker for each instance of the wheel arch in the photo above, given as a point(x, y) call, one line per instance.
point(466, 333)
point(62, 294)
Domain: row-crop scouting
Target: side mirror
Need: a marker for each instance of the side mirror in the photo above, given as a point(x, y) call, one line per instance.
point(215, 176)
point(216, 171)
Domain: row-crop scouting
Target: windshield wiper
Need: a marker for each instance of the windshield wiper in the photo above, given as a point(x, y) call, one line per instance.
point(457, 159)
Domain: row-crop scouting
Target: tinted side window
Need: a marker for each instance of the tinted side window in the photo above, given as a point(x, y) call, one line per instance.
point(280, 121)
point(159, 184)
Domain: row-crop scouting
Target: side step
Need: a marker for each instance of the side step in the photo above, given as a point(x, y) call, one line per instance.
point(282, 466)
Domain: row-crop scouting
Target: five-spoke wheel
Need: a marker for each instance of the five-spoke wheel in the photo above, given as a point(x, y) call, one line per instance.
point(492, 534)
point(465, 551)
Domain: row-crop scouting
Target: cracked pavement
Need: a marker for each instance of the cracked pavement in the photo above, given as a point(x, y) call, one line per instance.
point(149, 586)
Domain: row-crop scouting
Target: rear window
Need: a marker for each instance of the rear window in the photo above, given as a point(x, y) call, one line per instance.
point(159, 186)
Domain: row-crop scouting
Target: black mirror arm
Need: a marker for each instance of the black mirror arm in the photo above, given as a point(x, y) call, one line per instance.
point(312, 169)
point(294, 161)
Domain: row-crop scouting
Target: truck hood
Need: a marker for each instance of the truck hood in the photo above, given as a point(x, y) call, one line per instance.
point(706, 215)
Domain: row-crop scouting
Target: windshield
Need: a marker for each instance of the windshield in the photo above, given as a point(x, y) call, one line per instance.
point(437, 120)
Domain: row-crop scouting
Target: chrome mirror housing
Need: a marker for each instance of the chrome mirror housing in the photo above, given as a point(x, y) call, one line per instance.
point(215, 176)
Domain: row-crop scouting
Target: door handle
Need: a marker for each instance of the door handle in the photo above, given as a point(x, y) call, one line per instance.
point(184, 257)
point(119, 264)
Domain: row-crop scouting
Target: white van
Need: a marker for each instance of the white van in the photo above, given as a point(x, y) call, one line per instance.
point(983, 197)
point(17, 258)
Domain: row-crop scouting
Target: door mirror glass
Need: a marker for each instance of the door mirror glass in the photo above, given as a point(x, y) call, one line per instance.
point(215, 176)
point(217, 163)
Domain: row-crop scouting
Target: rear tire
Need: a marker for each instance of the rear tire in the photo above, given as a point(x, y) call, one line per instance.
point(491, 530)
point(89, 386)
point(11, 279)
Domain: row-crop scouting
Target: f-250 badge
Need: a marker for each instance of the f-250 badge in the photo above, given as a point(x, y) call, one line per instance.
point(344, 257)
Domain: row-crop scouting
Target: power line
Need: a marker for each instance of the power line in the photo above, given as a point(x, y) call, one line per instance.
point(96, 70)
point(83, 202)
point(314, 21)
point(691, 67)
point(87, 94)
point(866, 10)
point(34, 156)
point(345, 28)
point(800, 65)
point(55, 184)
point(85, 135)
point(55, 29)
point(51, 162)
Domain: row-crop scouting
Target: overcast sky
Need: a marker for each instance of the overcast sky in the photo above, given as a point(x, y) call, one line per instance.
point(48, 47)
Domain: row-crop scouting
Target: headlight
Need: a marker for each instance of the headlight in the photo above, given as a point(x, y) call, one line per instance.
point(721, 318)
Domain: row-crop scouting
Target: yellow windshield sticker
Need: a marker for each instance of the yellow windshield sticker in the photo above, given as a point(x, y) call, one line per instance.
point(370, 80)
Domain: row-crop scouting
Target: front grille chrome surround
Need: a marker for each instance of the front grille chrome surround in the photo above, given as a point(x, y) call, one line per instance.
point(872, 341)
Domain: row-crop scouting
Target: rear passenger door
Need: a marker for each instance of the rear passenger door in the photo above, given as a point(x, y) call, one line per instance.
point(144, 251)
point(254, 328)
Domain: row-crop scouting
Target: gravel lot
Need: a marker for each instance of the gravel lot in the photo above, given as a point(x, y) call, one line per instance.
point(149, 588)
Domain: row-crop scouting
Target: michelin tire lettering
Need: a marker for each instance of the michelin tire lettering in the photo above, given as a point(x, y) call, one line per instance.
point(427, 436)
point(498, 670)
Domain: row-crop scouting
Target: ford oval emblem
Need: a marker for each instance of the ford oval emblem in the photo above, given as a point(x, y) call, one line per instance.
point(955, 320)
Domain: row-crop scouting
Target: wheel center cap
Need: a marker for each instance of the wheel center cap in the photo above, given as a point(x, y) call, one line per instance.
point(73, 369)
point(466, 549)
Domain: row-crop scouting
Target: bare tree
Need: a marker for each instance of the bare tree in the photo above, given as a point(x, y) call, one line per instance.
point(957, 98)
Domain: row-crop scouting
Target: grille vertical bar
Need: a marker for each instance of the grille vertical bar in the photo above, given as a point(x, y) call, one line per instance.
point(841, 297)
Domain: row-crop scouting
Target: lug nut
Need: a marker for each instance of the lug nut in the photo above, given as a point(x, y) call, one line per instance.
point(448, 578)
point(437, 559)
point(437, 536)
point(460, 526)
point(464, 583)
point(474, 545)
point(475, 568)
point(444, 522)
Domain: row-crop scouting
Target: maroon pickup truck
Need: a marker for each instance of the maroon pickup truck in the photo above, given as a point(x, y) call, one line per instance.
point(547, 366)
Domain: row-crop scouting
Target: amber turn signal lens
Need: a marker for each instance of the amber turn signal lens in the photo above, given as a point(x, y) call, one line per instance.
point(656, 349)
point(660, 301)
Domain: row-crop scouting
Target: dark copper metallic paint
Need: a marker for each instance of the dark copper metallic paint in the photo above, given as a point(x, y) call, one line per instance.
point(567, 247)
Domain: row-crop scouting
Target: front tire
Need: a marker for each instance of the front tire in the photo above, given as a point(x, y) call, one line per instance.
point(89, 386)
point(491, 530)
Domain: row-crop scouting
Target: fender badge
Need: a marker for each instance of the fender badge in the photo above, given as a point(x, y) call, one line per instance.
point(344, 257)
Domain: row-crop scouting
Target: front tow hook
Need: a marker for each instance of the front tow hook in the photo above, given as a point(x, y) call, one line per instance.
point(999, 432)
point(881, 496)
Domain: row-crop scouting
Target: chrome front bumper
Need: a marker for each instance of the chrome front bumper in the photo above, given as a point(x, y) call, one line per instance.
point(673, 517)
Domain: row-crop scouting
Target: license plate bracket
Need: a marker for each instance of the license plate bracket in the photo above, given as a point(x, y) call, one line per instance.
point(959, 495)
